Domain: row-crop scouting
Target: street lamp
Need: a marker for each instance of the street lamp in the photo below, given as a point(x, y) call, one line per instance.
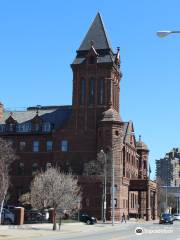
point(162, 34)
point(112, 157)
point(105, 180)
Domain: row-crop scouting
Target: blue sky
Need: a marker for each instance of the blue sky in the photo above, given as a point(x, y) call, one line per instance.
point(38, 40)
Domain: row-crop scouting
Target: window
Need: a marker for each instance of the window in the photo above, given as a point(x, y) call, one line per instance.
point(22, 146)
point(11, 127)
point(48, 165)
point(115, 188)
point(64, 146)
point(49, 145)
point(91, 91)
point(36, 146)
point(2, 128)
point(87, 202)
point(23, 127)
point(115, 202)
point(46, 127)
point(117, 133)
point(36, 127)
point(20, 170)
point(101, 92)
point(83, 91)
point(34, 168)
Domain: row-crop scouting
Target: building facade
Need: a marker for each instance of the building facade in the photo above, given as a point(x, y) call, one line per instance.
point(168, 168)
point(71, 137)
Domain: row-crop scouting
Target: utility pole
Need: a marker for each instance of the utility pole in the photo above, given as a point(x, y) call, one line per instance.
point(112, 156)
point(104, 187)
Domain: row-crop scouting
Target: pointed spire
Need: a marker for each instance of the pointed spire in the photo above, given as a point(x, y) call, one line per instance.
point(97, 34)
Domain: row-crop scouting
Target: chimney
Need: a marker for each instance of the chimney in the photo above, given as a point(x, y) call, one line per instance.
point(1, 110)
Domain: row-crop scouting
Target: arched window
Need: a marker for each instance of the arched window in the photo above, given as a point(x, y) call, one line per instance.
point(101, 92)
point(91, 91)
point(83, 91)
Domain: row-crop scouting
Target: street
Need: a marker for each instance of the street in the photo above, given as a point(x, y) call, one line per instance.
point(79, 231)
point(124, 232)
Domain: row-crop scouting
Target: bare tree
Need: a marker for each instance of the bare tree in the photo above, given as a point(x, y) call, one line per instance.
point(95, 167)
point(55, 189)
point(7, 156)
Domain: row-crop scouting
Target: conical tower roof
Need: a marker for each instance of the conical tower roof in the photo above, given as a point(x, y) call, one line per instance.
point(96, 35)
point(140, 145)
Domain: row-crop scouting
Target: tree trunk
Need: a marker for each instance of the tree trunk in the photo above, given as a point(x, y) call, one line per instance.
point(1, 208)
point(54, 220)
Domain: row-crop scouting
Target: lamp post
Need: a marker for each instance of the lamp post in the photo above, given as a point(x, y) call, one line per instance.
point(162, 34)
point(112, 188)
point(105, 180)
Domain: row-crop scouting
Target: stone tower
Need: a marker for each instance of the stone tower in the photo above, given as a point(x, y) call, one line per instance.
point(96, 77)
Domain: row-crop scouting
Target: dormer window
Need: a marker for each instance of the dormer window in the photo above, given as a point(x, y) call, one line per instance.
point(46, 127)
point(2, 128)
point(23, 127)
point(36, 127)
point(37, 123)
point(11, 127)
point(10, 123)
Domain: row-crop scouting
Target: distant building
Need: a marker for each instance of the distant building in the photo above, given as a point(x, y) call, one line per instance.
point(168, 168)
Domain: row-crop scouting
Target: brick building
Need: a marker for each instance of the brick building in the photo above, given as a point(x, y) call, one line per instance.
point(72, 136)
point(168, 168)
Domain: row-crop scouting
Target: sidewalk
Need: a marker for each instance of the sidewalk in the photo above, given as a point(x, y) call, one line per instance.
point(30, 231)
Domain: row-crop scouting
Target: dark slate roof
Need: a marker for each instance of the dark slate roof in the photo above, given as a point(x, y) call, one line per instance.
point(140, 145)
point(108, 58)
point(56, 115)
point(97, 34)
point(126, 132)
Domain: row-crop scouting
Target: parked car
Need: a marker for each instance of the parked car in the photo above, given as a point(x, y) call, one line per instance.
point(166, 218)
point(10, 207)
point(87, 219)
point(176, 216)
point(7, 216)
point(33, 216)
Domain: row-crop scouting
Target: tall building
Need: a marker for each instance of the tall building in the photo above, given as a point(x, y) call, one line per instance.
point(168, 168)
point(72, 136)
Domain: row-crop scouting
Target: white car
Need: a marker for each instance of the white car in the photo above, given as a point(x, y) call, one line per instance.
point(176, 216)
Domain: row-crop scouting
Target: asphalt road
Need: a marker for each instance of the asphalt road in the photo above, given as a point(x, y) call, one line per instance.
point(125, 231)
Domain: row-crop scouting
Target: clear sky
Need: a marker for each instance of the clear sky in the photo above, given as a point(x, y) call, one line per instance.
point(38, 40)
